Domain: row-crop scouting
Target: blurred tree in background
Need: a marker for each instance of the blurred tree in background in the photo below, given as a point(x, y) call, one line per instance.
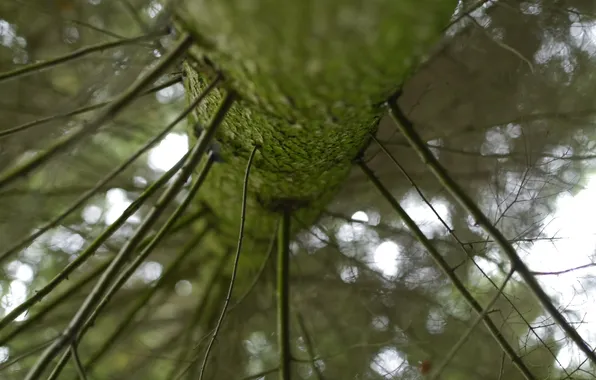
point(499, 91)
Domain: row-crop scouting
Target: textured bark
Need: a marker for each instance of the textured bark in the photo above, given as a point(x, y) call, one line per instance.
point(312, 77)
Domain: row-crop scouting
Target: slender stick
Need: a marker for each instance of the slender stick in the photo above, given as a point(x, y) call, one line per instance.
point(444, 266)
point(309, 347)
point(108, 114)
point(404, 125)
point(127, 320)
point(34, 123)
point(462, 244)
point(235, 268)
point(271, 249)
point(251, 287)
point(464, 338)
point(129, 271)
point(53, 304)
point(90, 250)
point(124, 276)
point(283, 296)
point(211, 291)
point(420, 193)
point(43, 65)
point(77, 361)
point(102, 285)
point(91, 192)
point(17, 358)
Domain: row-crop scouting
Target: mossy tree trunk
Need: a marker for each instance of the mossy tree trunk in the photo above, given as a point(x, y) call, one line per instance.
point(311, 79)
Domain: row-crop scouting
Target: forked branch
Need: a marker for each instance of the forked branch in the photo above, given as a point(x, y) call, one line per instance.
point(406, 127)
point(444, 266)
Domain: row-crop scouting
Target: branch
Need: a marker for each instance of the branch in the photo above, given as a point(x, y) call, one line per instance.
point(407, 129)
point(283, 296)
point(444, 266)
point(309, 347)
point(99, 186)
point(78, 111)
point(101, 287)
point(29, 69)
point(94, 246)
point(563, 271)
point(125, 321)
point(464, 338)
point(108, 114)
point(236, 260)
point(77, 361)
point(462, 245)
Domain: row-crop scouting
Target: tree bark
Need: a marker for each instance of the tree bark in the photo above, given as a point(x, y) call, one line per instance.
point(312, 78)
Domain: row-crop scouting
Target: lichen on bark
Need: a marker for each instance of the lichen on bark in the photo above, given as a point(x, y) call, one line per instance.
point(311, 77)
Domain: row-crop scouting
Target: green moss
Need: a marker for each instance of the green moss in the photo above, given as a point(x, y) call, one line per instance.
point(312, 76)
point(288, 168)
point(313, 59)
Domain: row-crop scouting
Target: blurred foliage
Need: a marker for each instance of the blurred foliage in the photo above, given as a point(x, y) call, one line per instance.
point(506, 103)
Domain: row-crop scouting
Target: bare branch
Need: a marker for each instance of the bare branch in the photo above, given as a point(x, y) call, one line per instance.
point(407, 129)
point(283, 296)
point(37, 67)
point(444, 266)
point(108, 114)
point(236, 260)
point(102, 285)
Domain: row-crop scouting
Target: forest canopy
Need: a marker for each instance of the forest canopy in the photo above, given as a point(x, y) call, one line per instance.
point(338, 189)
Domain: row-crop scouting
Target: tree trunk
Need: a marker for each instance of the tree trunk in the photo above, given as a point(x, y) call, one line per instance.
point(312, 77)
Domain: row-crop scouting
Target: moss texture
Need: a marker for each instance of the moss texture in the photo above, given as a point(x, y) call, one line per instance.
point(312, 77)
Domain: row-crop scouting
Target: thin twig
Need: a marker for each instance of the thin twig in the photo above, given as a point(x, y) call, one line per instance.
point(211, 282)
point(309, 347)
point(420, 193)
point(502, 44)
point(194, 322)
point(260, 272)
point(90, 250)
point(102, 285)
point(40, 66)
point(143, 301)
point(407, 129)
point(108, 114)
point(30, 124)
point(461, 244)
point(556, 273)
point(283, 296)
point(464, 338)
point(235, 267)
point(53, 304)
point(19, 357)
point(502, 366)
point(77, 361)
point(91, 192)
point(159, 236)
point(447, 271)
